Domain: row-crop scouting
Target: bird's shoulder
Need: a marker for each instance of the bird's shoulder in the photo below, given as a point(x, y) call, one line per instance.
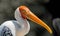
point(7, 25)
point(5, 31)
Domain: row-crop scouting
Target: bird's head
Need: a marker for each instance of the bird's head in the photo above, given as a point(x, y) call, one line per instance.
point(27, 14)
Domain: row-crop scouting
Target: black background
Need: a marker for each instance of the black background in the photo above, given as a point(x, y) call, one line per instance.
point(54, 8)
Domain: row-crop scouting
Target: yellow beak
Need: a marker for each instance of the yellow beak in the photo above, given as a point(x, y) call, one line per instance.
point(29, 15)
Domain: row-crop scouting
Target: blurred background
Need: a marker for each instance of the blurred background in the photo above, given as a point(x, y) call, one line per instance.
point(47, 10)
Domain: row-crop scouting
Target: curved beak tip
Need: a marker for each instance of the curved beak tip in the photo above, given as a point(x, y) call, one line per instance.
point(35, 19)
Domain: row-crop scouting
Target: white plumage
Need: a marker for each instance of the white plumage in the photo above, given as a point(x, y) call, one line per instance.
point(18, 27)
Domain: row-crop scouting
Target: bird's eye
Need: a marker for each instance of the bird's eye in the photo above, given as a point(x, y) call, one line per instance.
point(23, 10)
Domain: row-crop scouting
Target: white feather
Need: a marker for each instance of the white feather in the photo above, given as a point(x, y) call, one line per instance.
point(25, 27)
point(18, 27)
point(10, 25)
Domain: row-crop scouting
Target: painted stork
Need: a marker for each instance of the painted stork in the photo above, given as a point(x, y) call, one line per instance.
point(20, 26)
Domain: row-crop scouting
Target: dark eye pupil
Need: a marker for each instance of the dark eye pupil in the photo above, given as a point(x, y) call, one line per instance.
point(23, 11)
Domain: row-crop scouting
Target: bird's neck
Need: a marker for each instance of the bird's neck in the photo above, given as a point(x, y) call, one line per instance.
point(22, 22)
point(19, 17)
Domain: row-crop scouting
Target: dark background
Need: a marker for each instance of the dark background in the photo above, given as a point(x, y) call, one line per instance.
point(46, 10)
point(53, 7)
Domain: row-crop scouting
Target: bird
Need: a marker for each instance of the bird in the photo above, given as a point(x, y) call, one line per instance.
point(21, 26)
